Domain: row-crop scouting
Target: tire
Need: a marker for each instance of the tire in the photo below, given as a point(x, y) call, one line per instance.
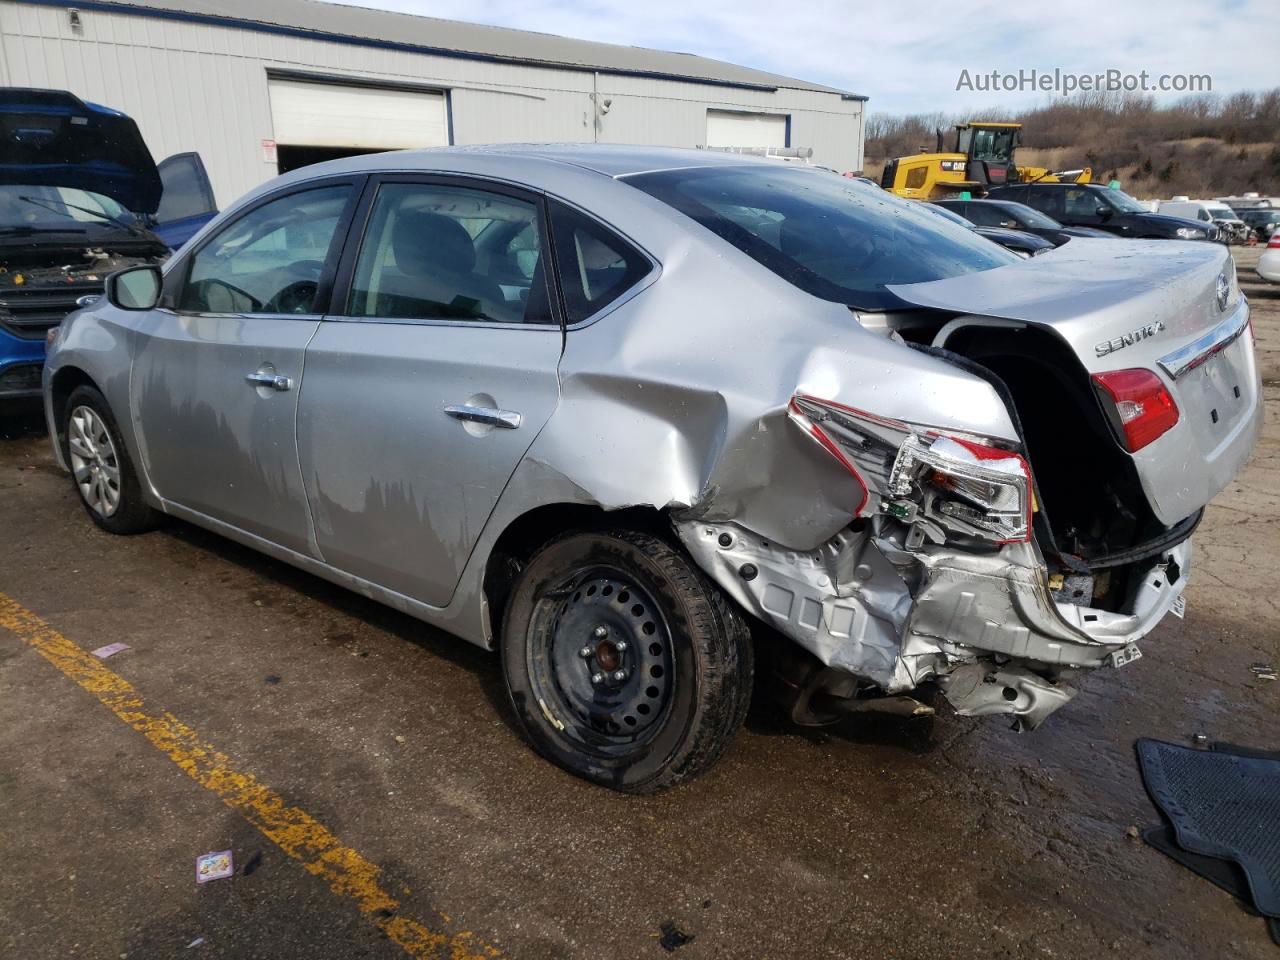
point(655, 711)
point(101, 470)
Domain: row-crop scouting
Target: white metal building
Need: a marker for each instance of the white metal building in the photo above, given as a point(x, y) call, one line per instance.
point(258, 87)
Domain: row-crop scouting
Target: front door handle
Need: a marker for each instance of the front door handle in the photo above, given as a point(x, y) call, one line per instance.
point(507, 419)
point(272, 381)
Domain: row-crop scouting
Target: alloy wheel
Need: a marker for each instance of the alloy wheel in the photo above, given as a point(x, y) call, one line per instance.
point(93, 461)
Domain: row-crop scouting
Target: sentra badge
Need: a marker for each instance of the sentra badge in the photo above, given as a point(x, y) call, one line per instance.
point(1128, 339)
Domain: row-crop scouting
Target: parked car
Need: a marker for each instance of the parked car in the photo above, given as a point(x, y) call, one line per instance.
point(1023, 244)
point(1020, 242)
point(1231, 228)
point(80, 197)
point(612, 410)
point(1005, 214)
point(1262, 221)
point(1269, 263)
point(1104, 208)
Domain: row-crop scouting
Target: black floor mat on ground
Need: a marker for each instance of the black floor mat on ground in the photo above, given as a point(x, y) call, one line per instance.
point(1222, 803)
point(1222, 873)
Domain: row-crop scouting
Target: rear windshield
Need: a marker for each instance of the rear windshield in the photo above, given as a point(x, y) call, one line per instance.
point(832, 237)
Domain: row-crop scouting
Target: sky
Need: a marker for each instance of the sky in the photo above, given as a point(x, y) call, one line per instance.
point(908, 57)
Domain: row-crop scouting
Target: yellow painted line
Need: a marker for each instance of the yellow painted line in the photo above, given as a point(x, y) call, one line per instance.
point(290, 828)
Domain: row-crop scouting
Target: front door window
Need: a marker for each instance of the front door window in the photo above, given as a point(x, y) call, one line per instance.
point(270, 260)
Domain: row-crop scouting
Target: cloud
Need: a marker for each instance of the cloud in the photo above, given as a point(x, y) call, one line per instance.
point(908, 57)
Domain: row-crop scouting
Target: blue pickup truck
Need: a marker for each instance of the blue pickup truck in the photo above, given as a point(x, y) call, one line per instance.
point(80, 197)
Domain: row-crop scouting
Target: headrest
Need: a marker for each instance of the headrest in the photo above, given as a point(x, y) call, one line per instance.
point(426, 242)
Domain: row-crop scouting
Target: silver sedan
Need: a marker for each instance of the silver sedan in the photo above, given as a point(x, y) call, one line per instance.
point(650, 421)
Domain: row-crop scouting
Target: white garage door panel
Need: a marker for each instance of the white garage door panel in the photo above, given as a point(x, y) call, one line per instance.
point(728, 129)
point(322, 115)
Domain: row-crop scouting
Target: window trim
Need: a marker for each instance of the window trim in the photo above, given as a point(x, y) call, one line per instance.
point(642, 284)
point(357, 234)
point(176, 278)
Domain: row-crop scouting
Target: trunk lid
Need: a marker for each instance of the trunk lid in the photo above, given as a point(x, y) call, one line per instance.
point(1167, 306)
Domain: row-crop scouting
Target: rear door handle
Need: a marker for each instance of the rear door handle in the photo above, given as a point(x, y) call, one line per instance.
point(507, 419)
point(272, 381)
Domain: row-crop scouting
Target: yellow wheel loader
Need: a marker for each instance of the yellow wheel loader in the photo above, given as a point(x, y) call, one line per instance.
point(983, 158)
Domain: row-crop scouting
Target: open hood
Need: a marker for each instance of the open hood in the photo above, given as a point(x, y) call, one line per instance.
point(52, 138)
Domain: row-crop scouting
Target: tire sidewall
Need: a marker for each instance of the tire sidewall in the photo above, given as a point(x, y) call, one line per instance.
point(133, 515)
point(633, 770)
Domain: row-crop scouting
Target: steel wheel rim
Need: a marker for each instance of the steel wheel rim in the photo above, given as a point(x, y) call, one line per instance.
point(574, 669)
point(94, 462)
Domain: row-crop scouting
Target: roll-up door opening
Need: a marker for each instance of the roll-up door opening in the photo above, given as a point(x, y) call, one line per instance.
point(728, 128)
point(323, 121)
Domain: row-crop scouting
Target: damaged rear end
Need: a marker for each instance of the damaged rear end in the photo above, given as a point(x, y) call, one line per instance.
point(1002, 567)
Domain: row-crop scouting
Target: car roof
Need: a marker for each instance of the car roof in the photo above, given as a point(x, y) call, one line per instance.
point(611, 160)
point(1046, 186)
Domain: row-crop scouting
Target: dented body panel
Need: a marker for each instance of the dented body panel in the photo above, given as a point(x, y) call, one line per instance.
point(677, 397)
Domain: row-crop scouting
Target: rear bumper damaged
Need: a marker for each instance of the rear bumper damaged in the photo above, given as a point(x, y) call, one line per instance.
point(984, 626)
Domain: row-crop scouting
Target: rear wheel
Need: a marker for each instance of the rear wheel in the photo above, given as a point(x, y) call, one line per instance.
point(625, 665)
point(100, 465)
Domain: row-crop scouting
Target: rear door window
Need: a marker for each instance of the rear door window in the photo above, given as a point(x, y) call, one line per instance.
point(1048, 200)
point(596, 266)
point(434, 251)
point(1081, 204)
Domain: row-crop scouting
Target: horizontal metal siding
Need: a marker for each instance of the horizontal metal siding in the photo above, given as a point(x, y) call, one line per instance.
point(201, 87)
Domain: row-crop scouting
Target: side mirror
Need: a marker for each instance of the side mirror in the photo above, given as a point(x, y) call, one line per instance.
point(1011, 224)
point(134, 288)
point(1104, 212)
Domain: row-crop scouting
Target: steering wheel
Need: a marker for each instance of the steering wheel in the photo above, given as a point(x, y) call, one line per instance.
point(298, 296)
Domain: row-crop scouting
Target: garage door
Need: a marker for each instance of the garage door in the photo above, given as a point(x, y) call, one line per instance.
point(725, 128)
point(336, 115)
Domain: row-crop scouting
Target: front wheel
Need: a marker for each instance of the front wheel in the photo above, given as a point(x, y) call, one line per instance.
point(625, 665)
point(100, 465)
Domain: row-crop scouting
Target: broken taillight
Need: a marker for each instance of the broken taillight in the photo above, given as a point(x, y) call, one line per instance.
point(944, 482)
point(966, 486)
point(823, 422)
point(1142, 406)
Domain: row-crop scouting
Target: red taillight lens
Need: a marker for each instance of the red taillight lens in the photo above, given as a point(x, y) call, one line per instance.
point(1274, 242)
point(1143, 407)
point(801, 410)
point(949, 484)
